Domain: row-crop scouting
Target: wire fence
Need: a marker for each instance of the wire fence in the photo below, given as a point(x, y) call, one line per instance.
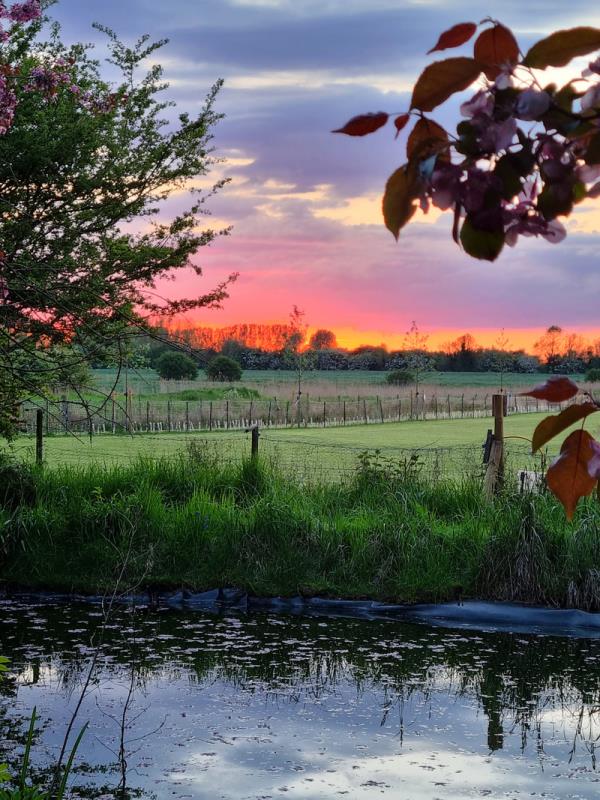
point(127, 414)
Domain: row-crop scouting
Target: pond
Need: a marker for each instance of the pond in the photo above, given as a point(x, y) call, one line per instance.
point(246, 706)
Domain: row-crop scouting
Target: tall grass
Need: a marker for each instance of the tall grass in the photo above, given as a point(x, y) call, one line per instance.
point(387, 532)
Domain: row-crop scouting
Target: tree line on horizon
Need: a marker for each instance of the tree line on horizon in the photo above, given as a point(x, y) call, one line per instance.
point(275, 347)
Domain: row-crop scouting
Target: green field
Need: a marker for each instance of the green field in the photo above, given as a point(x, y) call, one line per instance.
point(145, 382)
point(455, 444)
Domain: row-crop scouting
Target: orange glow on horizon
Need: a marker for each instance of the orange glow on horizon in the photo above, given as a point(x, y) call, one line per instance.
point(267, 335)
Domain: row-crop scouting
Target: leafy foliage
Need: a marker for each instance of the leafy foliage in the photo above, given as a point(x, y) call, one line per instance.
point(524, 153)
point(575, 473)
point(223, 368)
point(80, 160)
point(400, 377)
point(176, 366)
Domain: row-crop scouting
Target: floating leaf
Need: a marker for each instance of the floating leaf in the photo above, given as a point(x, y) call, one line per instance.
point(442, 79)
point(557, 423)
point(455, 36)
point(364, 124)
point(480, 239)
point(554, 390)
point(401, 122)
point(399, 199)
point(560, 47)
point(427, 138)
point(568, 477)
point(494, 49)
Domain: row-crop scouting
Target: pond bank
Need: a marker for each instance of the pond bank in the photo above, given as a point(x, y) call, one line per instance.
point(388, 532)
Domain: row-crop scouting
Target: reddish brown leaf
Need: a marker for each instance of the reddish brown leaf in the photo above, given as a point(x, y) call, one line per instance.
point(364, 124)
point(426, 139)
point(401, 122)
point(568, 477)
point(399, 199)
point(557, 423)
point(560, 47)
point(554, 390)
point(442, 79)
point(455, 36)
point(495, 48)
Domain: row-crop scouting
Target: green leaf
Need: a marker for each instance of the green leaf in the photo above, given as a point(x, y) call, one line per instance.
point(557, 423)
point(478, 242)
point(592, 154)
point(556, 199)
point(442, 79)
point(508, 172)
point(560, 47)
point(399, 199)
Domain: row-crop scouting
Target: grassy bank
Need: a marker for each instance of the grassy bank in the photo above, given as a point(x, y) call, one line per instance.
point(387, 533)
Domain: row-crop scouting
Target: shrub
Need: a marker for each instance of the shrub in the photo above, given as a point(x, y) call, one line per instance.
point(593, 375)
point(176, 366)
point(223, 368)
point(400, 377)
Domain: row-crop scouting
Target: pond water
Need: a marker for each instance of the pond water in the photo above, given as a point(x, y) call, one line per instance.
point(242, 707)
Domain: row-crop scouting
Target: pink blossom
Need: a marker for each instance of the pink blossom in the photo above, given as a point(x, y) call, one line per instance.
point(532, 104)
point(594, 462)
point(593, 68)
point(555, 232)
point(497, 136)
point(445, 185)
point(25, 12)
point(481, 103)
point(591, 99)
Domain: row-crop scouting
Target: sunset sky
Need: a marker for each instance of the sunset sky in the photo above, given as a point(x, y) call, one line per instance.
point(305, 204)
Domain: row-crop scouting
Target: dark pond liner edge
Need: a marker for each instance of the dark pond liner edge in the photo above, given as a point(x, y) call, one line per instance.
point(471, 614)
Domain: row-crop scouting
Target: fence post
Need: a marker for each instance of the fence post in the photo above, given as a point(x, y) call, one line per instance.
point(494, 476)
point(449, 408)
point(287, 413)
point(435, 405)
point(187, 416)
point(365, 411)
point(210, 415)
point(47, 417)
point(250, 411)
point(411, 405)
point(169, 415)
point(462, 406)
point(473, 403)
point(306, 421)
point(65, 412)
point(324, 412)
point(344, 412)
point(380, 407)
point(255, 436)
point(269, 415)
point(112, 419)
point(399, 408)
point(39, 436)
point(147, 415)
point(227, 413)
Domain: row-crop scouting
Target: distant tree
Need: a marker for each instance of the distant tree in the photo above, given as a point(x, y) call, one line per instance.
point(234, 349)
point(417, 359)
point(368, 357)
point(593, 375)
point(548, 347)
point(176, 366)
point(292, 351)
point(323, 339)
point(400, 377)
point(223, 368)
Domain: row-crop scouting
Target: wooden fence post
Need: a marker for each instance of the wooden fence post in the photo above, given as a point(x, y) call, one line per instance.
point(449, 408)
point(380, 407)
point(65, 412)
point(147, 415)
point(324, 413)
point(39, 436)
point(227, 413)
point(365, 411)
point(210, 415)
point(344, 412)
point(494, 477)
point(462, 406)
point(269, 415)
point(255, 436)
point(168, 415)
point(187, 416)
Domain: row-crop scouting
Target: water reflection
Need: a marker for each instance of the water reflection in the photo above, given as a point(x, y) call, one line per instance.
point(262, 706)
